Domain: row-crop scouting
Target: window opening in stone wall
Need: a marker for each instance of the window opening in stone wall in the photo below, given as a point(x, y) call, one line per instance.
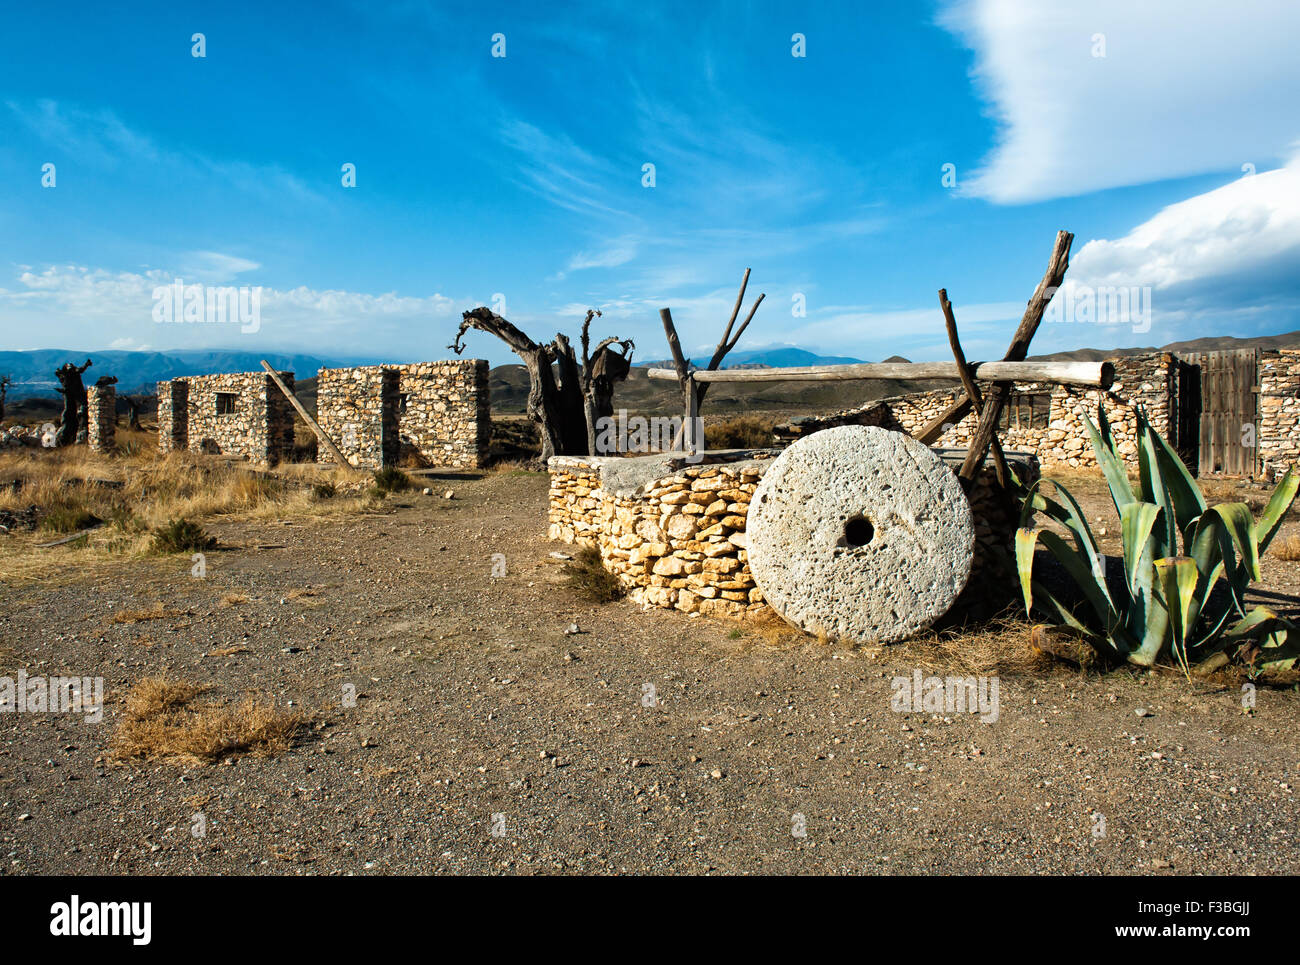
point(226, 403)
point(1027, 410)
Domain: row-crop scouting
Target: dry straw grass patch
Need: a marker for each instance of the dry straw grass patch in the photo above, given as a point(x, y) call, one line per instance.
point(137, 490)
point(156, 612)
point(1286, 549)
point(1000, 648)
point(590, 581)
point(163, 720)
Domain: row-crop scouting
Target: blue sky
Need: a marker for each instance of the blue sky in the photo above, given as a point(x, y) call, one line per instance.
point(521, 176)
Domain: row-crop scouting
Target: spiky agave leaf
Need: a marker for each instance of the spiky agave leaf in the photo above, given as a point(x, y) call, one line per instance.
point(1185, 495)
point(1068, 513)
point(1110, 461)
point(1271, 518)
point(1035, 594)
point(1178, 578)
point(1156, 490)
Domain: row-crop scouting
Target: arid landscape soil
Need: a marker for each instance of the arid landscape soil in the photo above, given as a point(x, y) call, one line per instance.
point(487, 737)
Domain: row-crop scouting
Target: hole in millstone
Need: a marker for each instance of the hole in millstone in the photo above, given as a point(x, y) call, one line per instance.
point(858, 531)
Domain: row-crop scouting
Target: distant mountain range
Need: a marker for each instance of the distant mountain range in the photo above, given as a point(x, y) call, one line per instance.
point(140, 372)
point(783, 357)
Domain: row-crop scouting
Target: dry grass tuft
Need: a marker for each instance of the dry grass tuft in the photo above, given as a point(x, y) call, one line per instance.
point(742, 432)
point(228, 651)
point(234, 599)
point(1286, 549)
point(995, 649)
point(589, 579)
point(774, 631)
point(138, 489)
point(182, 536)
point(155, 612)
point(161, 721)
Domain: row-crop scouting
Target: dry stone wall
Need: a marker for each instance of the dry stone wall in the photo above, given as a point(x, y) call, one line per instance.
point(675, 536)
point(1279, 428)
point(173, 415)
point(357, 408)
point(440, 410)
point(235, 414)
point(101, 417)
point(1058, 438)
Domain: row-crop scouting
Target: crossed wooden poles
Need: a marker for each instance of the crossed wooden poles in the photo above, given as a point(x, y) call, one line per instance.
point(990, 406)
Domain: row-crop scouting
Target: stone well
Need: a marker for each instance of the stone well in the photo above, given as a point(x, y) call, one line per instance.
point(674, 532)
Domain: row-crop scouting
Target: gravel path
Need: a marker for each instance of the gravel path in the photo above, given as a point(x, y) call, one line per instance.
point(485, 739)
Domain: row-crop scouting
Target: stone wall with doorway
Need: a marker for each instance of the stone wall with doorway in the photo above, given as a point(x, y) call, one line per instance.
point(437, 412)
point(234, 414)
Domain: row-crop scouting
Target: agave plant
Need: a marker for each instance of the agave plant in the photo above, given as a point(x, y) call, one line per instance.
point(1186, 565)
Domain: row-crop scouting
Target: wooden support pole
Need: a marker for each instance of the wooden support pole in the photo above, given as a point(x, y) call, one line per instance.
point(948, 417)
point(692, 428)
point(992, 411)
point(972, 392)
point(311, 423)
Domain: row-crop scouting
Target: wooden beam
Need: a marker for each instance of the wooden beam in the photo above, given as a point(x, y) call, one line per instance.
point(1092, 374)
point(320, 433)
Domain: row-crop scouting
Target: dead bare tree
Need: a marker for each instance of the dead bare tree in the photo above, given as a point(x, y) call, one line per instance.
point(5, 382)
point(725, 345)
point(565, 398)
point(72, 425)
point(601, 369)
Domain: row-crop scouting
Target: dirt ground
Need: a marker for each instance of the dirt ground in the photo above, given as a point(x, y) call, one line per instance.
point(486, 739)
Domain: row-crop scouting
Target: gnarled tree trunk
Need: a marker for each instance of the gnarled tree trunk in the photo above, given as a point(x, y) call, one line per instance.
point(565, 407)
point(72, 427)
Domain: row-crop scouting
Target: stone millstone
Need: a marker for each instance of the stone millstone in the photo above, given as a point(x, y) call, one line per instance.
point(862, 533)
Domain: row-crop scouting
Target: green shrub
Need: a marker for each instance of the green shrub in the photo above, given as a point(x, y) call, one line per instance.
point(182, 536)
point(390, 479)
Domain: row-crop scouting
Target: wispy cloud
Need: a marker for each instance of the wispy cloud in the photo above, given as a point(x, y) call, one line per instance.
point(100, 137)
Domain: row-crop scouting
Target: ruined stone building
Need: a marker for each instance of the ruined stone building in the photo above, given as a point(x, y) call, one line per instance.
point(234, 414)
point(439, 413)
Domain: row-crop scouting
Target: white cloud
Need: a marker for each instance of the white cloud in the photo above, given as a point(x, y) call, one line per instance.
point(1231, 255)
point(214, 268)
point(1231, 231)
point(619, 253)
point(91, 307)
point(1184, 88)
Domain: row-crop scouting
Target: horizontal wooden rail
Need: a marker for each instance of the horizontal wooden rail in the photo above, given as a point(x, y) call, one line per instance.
point(1093, 374)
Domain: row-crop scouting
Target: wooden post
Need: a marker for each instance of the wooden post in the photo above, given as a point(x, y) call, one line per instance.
point(692, 430)
point(972, 392)
point(311, 423)
point(997, 397)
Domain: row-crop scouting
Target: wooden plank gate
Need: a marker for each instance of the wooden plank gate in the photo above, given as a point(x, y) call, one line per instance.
point(1225, 397)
